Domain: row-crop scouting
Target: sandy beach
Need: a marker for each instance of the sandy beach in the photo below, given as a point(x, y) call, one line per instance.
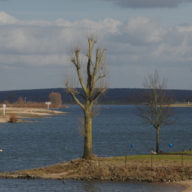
point(187, 184)
point(23, 113)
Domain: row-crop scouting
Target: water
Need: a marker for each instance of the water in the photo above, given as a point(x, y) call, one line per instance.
point(81, 186)
point(115, 128)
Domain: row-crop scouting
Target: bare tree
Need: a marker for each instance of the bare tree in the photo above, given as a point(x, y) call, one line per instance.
point(20, 101)
point(91, 76)
point(156, 110)
point(56, 99)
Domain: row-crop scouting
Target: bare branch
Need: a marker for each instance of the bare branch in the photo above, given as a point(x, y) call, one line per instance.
point(100, 91)
point(98, 61)
point(102, 55)
point(72, 93)
point(76, 62)
point(100, 77)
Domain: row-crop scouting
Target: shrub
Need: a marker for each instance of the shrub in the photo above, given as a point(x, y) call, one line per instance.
point(13, 118)
point(56, 99)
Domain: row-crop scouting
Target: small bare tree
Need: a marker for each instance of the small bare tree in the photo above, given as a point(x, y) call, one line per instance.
point(20, 101)
point(56, 99)
point(91, 76)
point(156, 110)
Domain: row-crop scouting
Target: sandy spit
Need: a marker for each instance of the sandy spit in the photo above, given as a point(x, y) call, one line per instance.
point(22, 113)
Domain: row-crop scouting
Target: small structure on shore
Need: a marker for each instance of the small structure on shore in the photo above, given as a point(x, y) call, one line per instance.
point(4, 109)
point(48, 103)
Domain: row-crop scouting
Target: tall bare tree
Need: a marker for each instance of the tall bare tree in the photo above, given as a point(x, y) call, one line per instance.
point(91, 76)
point(156, 111)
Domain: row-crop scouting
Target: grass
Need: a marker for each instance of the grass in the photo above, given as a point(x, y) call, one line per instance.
point(165, 157)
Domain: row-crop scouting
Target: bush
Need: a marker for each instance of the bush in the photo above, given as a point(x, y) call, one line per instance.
point(56, 99)
point(13, 118)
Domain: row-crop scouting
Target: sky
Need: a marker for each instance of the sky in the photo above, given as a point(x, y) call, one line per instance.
point(37, 39)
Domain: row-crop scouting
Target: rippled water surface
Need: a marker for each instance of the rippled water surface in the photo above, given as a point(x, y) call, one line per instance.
point(52, 140)
point(77, 186)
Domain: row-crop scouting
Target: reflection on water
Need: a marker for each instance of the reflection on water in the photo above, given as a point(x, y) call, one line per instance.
point(90, 187)
point(81, 186)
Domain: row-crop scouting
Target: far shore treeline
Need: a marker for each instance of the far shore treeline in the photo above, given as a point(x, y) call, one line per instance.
point(112, 96)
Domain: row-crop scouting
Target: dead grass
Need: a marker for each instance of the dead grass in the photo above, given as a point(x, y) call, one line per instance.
point(155, 168)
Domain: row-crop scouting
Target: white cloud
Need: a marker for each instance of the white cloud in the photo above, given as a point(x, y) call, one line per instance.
point(139, 44)
point(7, 19)
point(141, 30)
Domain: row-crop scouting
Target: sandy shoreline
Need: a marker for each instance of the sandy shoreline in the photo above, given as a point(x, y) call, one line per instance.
point(181, 105)
point(110, 169)
point(113, 169)
point(23, 113)
point(187, 184)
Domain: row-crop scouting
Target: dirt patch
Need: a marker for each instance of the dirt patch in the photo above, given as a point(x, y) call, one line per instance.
point(106, 169)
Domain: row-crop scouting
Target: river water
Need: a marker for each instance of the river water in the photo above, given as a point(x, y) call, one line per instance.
point(115, 128)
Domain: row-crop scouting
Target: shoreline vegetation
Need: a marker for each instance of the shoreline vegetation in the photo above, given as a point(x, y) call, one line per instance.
point(163, 168)
point(21, 114)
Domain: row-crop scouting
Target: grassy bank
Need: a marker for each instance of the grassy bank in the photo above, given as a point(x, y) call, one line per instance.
point(145, 168)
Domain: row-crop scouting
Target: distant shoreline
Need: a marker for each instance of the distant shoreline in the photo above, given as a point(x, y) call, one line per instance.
point(22, 113)
point(181, 105)
point(112, 96)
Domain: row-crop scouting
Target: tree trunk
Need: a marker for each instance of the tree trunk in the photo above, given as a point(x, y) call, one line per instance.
point(157, 139)
point(88, 152)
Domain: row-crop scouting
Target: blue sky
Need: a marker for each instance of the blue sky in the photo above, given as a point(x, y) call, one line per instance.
point(37, 38)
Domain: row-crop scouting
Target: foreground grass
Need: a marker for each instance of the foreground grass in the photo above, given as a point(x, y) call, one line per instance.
point(164, 158)
point(148, 168)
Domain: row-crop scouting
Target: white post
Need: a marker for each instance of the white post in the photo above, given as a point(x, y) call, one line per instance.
point(4, 109)
point(48, 104)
